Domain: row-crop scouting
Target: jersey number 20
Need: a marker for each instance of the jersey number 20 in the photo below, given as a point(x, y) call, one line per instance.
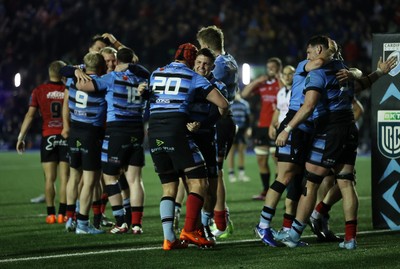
point(171, 85)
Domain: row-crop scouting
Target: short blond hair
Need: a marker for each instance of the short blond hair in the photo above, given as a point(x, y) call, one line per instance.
point(108, 50)
point(94, 61)
point(212, 36)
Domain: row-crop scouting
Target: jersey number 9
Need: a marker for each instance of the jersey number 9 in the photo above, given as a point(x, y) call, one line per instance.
point(81, 99)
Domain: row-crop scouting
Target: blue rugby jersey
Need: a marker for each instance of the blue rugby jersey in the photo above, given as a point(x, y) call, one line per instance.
point(174, 87)
point(201, 109)
point(226, 70)
point(334, 97)
point(297, 97)
point(241, 113)
point(86, 107)
point(123, 100)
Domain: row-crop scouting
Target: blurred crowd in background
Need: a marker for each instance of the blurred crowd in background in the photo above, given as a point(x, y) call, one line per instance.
point(34, 33)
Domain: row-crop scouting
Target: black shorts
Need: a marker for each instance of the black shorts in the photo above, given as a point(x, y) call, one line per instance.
point(334, 144)
point(122, 148)
point(174, 153)
point(261, 137)
point(297, 147)
point(84, 143)
point(240, 136)
point(208, 148)
point(53, 148)
point(226, 130)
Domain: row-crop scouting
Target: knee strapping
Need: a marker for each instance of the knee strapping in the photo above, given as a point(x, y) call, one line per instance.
point(347, 176)
point(198, 172)
point(313, 177)
point(112, 189)
point(278, 186)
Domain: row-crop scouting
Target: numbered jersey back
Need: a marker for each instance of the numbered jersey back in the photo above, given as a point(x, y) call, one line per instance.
point(174, 86)
point(48, 98)
point(86, 107)
point(124, 102)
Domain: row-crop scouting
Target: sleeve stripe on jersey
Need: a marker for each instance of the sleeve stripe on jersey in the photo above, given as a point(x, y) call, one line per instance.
point(312, 89)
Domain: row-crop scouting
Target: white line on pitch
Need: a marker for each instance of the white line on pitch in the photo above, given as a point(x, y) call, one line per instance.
point(146, 248)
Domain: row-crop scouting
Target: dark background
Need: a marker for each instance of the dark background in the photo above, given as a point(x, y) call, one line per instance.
point(34, 33)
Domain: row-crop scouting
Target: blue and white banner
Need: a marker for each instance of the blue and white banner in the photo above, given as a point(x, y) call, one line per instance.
point(385, 109)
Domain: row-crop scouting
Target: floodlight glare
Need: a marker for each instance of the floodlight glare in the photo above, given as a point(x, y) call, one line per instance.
point(246, 73)
point(17, 80)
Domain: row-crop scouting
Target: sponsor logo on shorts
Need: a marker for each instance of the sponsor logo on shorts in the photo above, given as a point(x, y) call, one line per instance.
point(159, 142)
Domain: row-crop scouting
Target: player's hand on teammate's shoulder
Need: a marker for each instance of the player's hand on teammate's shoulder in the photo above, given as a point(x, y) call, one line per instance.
point(193, 126)
point(142, 87)
point(82, 76)
point(110, 37)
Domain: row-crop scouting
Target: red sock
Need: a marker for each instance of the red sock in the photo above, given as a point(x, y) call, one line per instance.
point(136, 218)
point(194, 203)
point(96, 207)
point(220, 219)
point(351, 230)
point(287, 221)
point(104, 200)
point(323, 208)
point(70, 212)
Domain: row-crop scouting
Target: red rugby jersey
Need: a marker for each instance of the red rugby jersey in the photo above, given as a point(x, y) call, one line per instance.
point(49, 98)
point(267, 91)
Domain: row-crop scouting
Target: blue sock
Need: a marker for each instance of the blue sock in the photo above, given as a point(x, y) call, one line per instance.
point(206, 217)
point(297, 230)
point(127, 203)
point(266, 217)
point(77, 206)
point(81, 223)
point(167, 211)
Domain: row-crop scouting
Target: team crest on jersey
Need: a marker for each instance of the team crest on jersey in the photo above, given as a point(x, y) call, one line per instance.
point(389, 133)
point(392, 50)
point(124, 77)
